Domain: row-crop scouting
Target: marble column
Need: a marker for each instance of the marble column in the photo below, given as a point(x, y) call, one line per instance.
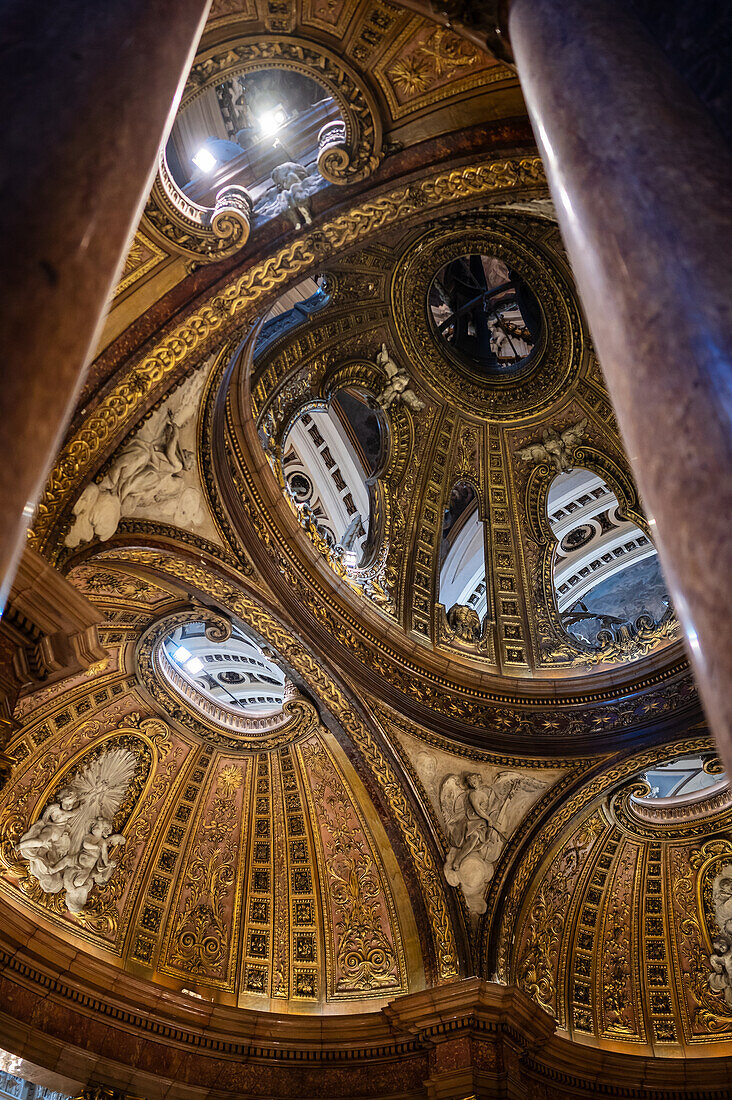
point(642, 182)
point(88, 89)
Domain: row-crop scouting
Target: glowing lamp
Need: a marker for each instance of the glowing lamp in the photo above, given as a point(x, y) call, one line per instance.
point(271, 121)
point(205, 160)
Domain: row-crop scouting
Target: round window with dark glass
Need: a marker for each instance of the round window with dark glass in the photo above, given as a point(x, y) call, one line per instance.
point(486, 313)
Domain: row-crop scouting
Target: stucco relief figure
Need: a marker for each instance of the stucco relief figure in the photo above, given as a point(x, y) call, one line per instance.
point(479, 818)
point(720, 961)
point(397, 387)
point(555, 448)
point(352, 533)
point(464, 622)
point(295, 186)
point(47, 842)
point(154, 473)
point(69, 847)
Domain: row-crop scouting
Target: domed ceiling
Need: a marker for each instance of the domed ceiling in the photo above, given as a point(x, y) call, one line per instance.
point(391, 671)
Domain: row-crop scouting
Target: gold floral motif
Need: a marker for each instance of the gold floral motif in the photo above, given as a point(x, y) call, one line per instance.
point(365, 956)
point(230, 779)
point(412, 74)
point(447, 52)
point(616, 954)
point(711, 1013)
point(535, 970)
point(202, 932)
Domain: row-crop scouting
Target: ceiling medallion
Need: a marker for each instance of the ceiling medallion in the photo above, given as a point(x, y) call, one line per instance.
point(508, 349)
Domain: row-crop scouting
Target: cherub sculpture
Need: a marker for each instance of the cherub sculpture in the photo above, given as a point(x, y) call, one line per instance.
point(89, 867)
point(397, 387)
point(68, 847)
point(479, 817)
point(555, 448)
point(720, 961)
point(295, 185)
point(48, 840)
point(464, 622)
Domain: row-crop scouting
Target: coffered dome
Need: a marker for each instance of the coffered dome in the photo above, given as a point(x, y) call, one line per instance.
point(494, 535)
point(348, 745)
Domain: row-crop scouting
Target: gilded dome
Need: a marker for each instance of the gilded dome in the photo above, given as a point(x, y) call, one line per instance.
point(362, 734)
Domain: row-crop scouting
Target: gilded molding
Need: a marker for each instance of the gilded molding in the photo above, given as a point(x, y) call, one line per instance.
point(237, 304)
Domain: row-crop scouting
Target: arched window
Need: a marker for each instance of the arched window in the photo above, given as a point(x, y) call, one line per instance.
point(462, 553)
point(330, 460)
point(606, 571)
point(683, 777)
point(292, 308)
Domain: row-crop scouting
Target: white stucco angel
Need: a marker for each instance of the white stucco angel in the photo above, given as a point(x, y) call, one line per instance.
point(68, 848)
point(153, 475)
point(91, 866)
point(479, 817)
point(48, 841)
point(555, 448)
point(397, 387)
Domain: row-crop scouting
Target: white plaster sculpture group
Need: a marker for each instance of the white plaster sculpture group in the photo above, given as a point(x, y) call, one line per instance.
point(479, 818)
point(154, 476)
point(69, 847)
point(720, 961)
point(397, 386)
point(555, 448)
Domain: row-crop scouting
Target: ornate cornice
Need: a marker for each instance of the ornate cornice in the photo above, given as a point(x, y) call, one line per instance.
point(238, 302)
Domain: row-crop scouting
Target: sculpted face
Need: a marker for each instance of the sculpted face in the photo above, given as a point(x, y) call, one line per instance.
point(475, 781)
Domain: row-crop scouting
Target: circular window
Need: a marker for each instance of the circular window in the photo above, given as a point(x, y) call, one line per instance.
point(486, 313)
point(300, 487)
point(236, 674)
point(684, 777)
point(242, 128)
point(578, 538)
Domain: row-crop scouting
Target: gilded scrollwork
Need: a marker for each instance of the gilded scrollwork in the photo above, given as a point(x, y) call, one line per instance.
point(349, 151)
point(200, 938)
point(428, 872)
point(536, 965)
point(366, 938)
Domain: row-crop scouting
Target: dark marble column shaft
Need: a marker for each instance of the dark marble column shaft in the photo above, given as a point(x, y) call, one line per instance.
point(642, 182)
point(88, 90)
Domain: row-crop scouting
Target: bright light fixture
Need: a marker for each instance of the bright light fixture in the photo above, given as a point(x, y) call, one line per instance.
point(194, 665)
point(181, 654)
point(271, 121)
point(205, 160)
